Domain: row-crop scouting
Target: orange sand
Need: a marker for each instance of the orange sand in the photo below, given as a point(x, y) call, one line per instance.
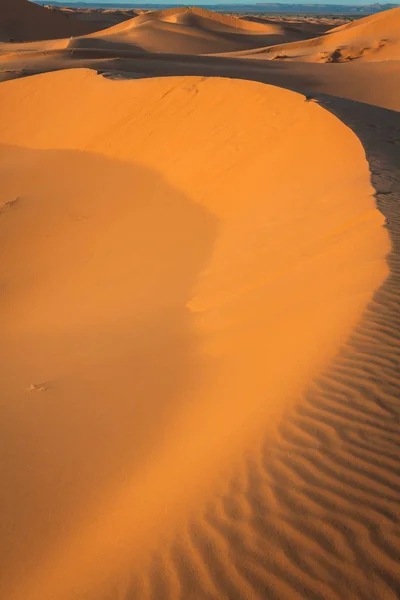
point(170, 293)
point(199, 327)
point(373, 38)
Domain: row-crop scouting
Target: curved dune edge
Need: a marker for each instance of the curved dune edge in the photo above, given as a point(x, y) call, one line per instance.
point(183, 267)
point(154, 48)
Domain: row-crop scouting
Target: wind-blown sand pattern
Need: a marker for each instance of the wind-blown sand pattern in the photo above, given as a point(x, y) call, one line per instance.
point(200, 320)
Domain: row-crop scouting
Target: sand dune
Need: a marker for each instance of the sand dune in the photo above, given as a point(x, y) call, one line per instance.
point(21, 20)
point(170, 294)
point(125, 51)
point(351, 80)
point(203, 18)
point(200, 332)
point(373, 38)
point(188, 31)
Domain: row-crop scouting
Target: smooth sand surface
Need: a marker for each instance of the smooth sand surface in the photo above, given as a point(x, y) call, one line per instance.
point(198, 42)
point(200, 323)
point(188, 31)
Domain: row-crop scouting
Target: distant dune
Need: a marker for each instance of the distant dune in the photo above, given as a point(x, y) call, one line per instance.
point(189, 31)
point(192, 41)
point(373, 38)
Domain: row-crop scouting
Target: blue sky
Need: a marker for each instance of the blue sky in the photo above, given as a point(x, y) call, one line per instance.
point(203, 2)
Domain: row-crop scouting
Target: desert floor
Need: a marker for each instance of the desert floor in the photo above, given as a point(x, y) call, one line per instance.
point(200, 316)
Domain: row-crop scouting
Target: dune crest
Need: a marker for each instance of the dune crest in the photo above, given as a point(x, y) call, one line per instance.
point(187, 30)
point(182, 288)
point(194, 15)
point(191, 41)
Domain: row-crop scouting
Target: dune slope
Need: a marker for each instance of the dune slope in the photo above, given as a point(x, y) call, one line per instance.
point(161, 43)
point(167, 290)
point(188, 31)
point(21, 20)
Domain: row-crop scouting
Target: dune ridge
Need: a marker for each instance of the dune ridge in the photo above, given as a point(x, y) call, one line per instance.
point(315, 512)
point(213, 322)
point(159, 48)
point(196, 16)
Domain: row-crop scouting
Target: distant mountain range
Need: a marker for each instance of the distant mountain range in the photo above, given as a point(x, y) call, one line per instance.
point(259, 7)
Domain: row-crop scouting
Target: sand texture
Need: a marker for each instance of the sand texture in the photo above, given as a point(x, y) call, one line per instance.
point(200, 318)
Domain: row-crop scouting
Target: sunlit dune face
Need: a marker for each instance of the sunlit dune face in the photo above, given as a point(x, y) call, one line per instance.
point(174, 267)
point(374, 38)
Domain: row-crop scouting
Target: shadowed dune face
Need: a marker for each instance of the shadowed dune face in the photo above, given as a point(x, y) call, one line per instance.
point(104, 336)
point(167, 288)
point(101, 18)
point(24, 21)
